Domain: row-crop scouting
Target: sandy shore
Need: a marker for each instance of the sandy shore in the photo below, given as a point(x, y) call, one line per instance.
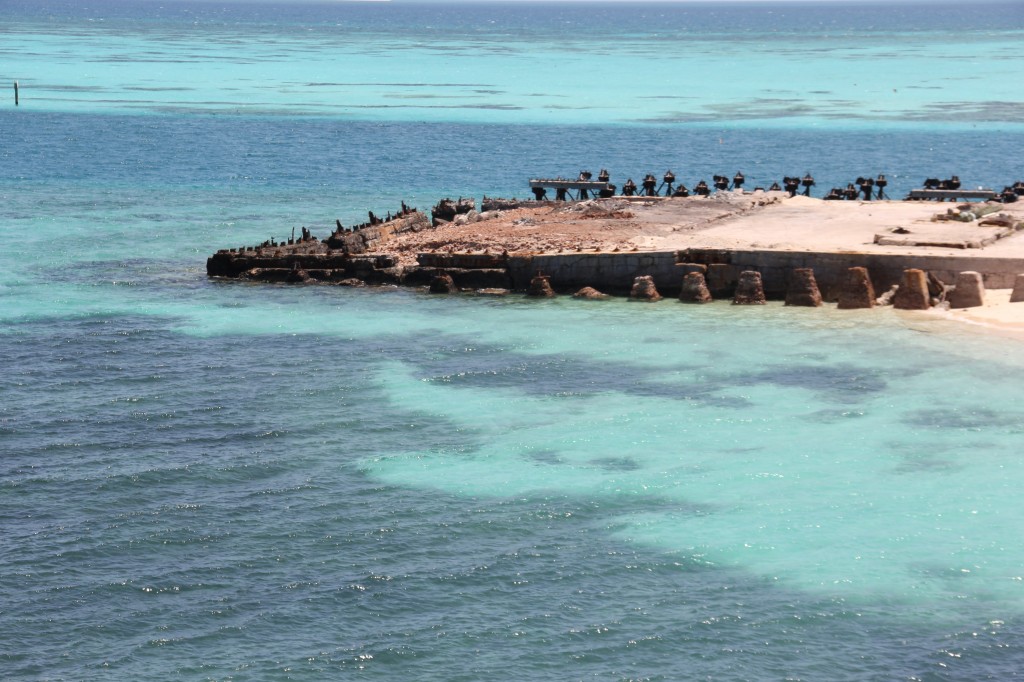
point(997, 316)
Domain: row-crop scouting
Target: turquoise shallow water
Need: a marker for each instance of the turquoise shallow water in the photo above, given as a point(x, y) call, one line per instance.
point(295, 482)
point(210, 480)
point(789, 64)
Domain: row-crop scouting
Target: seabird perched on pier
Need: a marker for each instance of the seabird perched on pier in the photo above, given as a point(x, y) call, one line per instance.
point(650, 185)
point(667, 181)
point(880, 183)
point(791, 185)
point(867, 187)
point(807, 182)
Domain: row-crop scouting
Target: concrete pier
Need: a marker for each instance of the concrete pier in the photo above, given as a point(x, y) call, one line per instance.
point(608, 243)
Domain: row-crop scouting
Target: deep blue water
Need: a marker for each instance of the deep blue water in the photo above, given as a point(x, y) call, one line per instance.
point(360, 165)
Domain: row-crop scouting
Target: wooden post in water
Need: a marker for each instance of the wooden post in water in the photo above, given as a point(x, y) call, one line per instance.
point(15, 93)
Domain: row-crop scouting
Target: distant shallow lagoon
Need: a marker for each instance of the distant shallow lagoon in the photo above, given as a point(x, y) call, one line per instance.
point(788, 64)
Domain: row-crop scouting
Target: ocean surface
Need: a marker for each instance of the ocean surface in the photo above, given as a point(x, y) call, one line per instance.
point(204, 480)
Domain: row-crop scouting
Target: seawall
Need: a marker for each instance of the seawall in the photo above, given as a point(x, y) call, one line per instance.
point(614, 272)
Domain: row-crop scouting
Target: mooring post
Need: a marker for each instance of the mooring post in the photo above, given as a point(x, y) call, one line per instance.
point(15, 93)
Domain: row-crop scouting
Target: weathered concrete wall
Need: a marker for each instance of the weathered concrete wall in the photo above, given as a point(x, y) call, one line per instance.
point(465, 261)
point(611, 273)
point(615, 272)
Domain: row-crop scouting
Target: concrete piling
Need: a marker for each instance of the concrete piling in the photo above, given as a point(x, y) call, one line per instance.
point(857, 291)
point(590, 294)
point(750, 289)
point(913, 292)
point(695, 289)
point(540, 287)
point(644, 289)
point(443, 283)
point(969, 292)
point(1017, 295)
point(803, 289)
